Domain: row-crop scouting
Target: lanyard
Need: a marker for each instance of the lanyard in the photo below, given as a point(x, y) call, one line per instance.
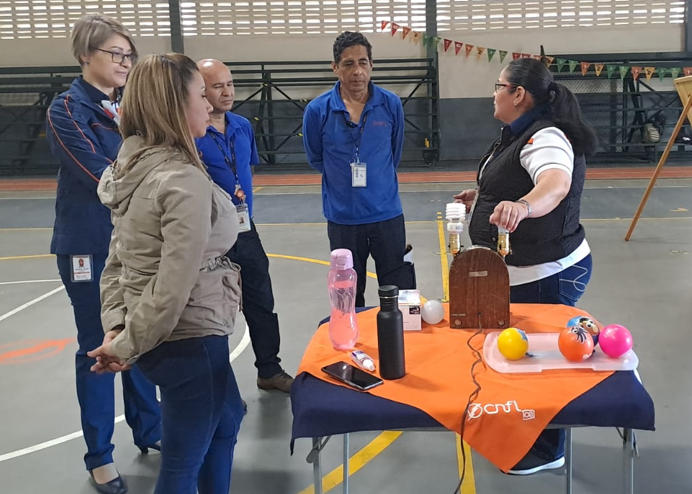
point(356, 143)
point(239, 194)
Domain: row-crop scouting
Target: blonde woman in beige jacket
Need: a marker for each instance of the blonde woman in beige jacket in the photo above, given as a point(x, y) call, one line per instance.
point(169, 296)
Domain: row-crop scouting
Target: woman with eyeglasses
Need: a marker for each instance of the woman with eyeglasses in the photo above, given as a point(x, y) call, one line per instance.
point(530, 183)
point(82, 131)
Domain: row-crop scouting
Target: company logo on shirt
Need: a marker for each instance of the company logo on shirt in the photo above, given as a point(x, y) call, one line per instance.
point(476, 410)
point(379, 123)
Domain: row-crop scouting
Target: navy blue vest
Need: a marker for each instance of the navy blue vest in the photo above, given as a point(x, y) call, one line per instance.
point(536, 240)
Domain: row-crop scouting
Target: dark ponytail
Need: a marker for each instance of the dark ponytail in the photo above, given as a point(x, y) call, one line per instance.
point(564, 110)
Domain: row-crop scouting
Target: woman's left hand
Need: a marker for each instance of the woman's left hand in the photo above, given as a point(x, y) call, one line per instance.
point(106, 361)
point(509, 214)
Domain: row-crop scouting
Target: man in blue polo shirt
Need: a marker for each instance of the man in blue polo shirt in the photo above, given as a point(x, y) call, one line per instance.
point(354, 135)
point(230, 153)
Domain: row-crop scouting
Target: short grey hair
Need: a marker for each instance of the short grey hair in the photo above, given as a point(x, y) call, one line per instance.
point(92, 30)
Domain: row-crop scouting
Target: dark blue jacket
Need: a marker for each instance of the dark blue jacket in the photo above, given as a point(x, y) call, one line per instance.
point(86, 140)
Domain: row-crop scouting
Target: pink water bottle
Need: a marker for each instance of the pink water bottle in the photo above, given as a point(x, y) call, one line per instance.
point(342, 278)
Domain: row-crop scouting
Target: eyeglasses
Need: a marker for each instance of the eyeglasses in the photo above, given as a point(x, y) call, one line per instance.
point(499, 86)
point(117, 57)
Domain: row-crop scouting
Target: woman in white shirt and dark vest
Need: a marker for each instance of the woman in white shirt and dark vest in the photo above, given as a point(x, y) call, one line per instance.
point(530, 183)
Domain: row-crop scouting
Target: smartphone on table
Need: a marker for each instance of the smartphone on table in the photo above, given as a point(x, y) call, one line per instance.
point(351, 375)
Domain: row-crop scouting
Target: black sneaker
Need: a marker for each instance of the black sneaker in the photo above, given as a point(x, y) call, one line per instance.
point(532, 463)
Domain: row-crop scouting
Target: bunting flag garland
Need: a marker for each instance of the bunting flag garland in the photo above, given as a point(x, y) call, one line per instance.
point(491, 54)
point(649, 71)
point(636, 71)
point(662, 71)
point(611, 69)
point(585, 67)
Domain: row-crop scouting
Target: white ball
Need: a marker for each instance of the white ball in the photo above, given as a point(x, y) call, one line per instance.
point(432, 311)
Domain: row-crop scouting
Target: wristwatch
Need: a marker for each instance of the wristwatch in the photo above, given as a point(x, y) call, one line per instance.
point(525, 203)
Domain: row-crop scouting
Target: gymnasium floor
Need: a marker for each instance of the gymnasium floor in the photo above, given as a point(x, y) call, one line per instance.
point(643, 284)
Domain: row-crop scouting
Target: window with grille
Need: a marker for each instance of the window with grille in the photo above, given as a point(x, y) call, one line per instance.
point(24, 19)
point(480, 15)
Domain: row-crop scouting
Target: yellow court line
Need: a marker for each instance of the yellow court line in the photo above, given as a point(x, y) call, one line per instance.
point(444, 264)
point(17, 258)
point(256, 189)
point(308, 259)
point(357, 461)
point(469, 485)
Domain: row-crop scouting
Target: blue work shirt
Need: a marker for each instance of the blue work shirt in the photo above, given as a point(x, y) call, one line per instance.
point(239, 139)
point(331, 139)
point(85, 139)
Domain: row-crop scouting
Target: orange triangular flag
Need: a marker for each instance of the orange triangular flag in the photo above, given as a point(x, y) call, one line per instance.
point(479, 51)
point(416, 36)
point(447, 43)
point(635, 72)
point(599, 68)
point(585, 67)
point(516, 56)
point(548, 60)
point(457, 47)
point(406, 30)
point(687, 70)
point(468, 49)
point(649, 71)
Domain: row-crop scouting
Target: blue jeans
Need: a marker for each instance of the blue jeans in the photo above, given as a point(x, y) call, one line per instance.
point(96, 392)
point(565, 287)
point(258, 301)
point(202, 411)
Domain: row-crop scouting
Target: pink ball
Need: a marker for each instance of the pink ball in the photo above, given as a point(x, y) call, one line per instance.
point(615, 340)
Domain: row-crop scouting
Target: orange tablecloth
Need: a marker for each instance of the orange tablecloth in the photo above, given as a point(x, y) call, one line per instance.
point(511, 409)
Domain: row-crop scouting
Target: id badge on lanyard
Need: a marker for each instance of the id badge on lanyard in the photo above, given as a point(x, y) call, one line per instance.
point(82, 268)
point(359, 174)
point(242, 210)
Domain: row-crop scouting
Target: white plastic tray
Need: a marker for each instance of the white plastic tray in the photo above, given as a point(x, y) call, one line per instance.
point(546, 355)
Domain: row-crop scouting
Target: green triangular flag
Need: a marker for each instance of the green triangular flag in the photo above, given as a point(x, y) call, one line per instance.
point(675, 72)
point(623, 71)
point(560, 63)
point(491, 53)
point(662, 71)
point(503, 54)
point(437, 41)
point(572, 65)
point(611, 70)
point(425, 39)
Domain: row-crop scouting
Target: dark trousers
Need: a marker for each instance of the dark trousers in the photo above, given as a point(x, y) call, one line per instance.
point(202, 411)
point(258, 301)
point(96, 393)
point(562, 288)
point(386, 242)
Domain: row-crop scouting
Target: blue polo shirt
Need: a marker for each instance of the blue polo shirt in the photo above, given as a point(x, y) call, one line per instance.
point(239, 139)
point(331, 139)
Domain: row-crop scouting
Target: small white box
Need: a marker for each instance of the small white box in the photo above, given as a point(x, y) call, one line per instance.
point(409, 305)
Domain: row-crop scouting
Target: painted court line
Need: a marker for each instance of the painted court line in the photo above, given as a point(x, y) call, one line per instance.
point(30, 303)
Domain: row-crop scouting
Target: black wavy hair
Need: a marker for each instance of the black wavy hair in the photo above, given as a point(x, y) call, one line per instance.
point(348, 39)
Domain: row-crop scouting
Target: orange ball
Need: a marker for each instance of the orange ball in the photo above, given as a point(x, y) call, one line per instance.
point(575, 344)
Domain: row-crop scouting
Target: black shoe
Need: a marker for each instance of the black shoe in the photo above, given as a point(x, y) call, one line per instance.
point(115, 486)
point(532, 463)
point(156, 447)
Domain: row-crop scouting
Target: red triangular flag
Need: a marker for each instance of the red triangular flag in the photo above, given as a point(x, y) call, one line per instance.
point(537, 57)
point(468, 49)
point(516, 56)
point(635, 72)
point(384, 25)
point(395, 28)
point(525, 55)
point(585, 67)
point(448, 43)
point(406, 30)
point(457, 47)
point(687, 70)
